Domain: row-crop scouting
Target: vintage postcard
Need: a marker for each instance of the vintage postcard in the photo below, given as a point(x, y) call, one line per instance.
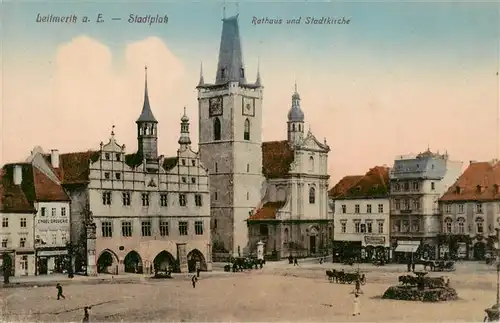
point(288, 161)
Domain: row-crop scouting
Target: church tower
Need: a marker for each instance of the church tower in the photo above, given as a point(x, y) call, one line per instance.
point(230, 141)
point(147, 136)
point(295, 123)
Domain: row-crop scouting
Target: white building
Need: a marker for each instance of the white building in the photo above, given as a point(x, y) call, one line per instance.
point(287, 180)
point(361, 213)
point(139, 211)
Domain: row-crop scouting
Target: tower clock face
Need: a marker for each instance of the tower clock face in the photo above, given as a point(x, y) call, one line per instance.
point(248, 107)
point(215, 106)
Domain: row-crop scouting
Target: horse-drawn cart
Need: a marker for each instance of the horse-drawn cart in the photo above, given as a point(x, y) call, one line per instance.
point(439, 265)
point(345, 278)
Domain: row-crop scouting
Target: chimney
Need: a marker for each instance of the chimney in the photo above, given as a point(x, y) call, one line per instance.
point(472, 162)
point(54, 158)
point(18, 174)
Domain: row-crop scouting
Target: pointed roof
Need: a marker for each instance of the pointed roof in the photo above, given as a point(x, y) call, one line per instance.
point(201, 82)
point(343, 185)
point(146, 114)
point(230, 67)
point(374, 184)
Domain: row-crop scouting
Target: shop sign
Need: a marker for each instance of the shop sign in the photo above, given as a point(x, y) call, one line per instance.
point(374, 240)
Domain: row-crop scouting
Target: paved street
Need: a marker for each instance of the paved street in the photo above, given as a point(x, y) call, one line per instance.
point(279, 292)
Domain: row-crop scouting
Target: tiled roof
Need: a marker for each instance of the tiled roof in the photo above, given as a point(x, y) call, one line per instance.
point(343, 185)
point(277, 156)
point(375, 183)
point(483, 174)
point(267, 211)
point(46, 189)
point(74, 167)
point(12, 197)
point(169, 163)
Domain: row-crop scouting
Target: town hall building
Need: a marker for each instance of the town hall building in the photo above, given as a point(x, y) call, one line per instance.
point(270, 191)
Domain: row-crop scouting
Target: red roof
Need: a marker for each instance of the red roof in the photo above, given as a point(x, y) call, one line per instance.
point(267, 211)
point(374, 184)
point(74, 167)
point(343, 185)
point(479, 182)
point(277, 156)
point(46, 190)
point(12, 197)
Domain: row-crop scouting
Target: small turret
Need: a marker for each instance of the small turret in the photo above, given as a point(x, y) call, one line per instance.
point(295, 123)
point(184, 139)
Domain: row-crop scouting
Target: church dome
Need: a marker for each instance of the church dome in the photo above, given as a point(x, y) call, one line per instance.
point(295, 114)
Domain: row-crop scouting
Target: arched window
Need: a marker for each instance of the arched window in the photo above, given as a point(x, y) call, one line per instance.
point(293, 126)
point(312, 195)
point(285, 238)
point(146, 130)
point(461, 225)
point(448, 222)
point(217, 129)
point(479, 225)
point(311, 164)
point(246, 131)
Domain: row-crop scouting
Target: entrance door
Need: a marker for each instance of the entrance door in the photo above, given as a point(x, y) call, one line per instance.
point(42, 266)
point(312, 244)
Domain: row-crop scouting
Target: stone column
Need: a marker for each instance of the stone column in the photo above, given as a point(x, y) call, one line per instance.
point(91, 250)
point(182, 257)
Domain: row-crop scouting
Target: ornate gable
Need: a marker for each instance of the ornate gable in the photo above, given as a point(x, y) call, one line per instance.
point(311, 143)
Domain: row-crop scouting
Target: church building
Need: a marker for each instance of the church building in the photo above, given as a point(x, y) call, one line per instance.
point(270, 191)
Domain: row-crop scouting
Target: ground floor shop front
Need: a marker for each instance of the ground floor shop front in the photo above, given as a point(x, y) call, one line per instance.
point(465, 247)
point(52, 261)
point(21, 263)
point(368, 249)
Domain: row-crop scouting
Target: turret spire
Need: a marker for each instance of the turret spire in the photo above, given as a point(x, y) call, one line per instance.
point(146, 114)
point(184, 138)
point(202, 79)
point(230, 66)
point(258, 81)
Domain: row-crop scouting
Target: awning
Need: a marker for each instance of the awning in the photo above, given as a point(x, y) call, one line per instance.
point(407, 246)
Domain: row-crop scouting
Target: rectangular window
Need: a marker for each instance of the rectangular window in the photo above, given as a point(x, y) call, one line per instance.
point(356, 208)
point(5, 222)
point(479, 208)
point(344, 208)
point(118, 176)
point(126, 198)
point(397, 204)
point(106, 156)
point(126, 229)
point(363, 228)
point(380, 227)
point(145, 199)
point(64, 239)
point(163, 228)
point(369, 227)
point(107, 175)
point(118, 157)
point(415, 186)
point(193, 180)
point(406, 186)
point(163, 200)
point(43, 211)
point(107, 229)
point(448, 208)
point(4, 243)
point(54, 238)
point(433, 186)
point(23, 222)
point(183, 228)
point(460, 208)
point(198, 201)
point(63, 211)
point(369, 208)
point(182, 199)
point(343, 227)
point(416, 205)
point(184, 180)
point(106, 198)
point(215, 196)
point(198, 228)
point(22, 242)
point(193, 162)
point(54, 211)
point(357, 227)
point(146, 228)
point(381, 208)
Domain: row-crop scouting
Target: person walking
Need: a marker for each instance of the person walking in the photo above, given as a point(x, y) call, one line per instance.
point(356, 310)
point(59, 291)
point(295, 262)
point(86, 316)
point(194, 280)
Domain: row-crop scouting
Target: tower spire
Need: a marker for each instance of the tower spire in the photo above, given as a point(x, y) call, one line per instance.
point(202, 79)
point(146, 114)
point(230, 66)
point(258, 81)
point(184, 138)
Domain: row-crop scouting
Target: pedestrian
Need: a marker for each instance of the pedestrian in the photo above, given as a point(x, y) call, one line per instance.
point(358, 286)
point(295, 262)
point(86, 316)
point(194, 280)
point(356, 310)
point(413, 266)
point(198, 272)
point(59, 291)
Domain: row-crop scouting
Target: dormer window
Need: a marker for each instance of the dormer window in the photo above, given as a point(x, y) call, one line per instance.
point(458, 190)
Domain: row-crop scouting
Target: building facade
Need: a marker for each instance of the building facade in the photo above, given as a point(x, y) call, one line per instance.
point(17, 215)
point(247, 176)
point(362, 216)
point(471, 213)
point(138, 212)
point(417, 183)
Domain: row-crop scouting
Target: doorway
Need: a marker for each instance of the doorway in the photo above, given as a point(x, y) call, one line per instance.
point(42, 266)
point(312, 244)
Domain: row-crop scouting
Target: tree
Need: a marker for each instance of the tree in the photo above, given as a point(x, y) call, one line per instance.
point(6, 268)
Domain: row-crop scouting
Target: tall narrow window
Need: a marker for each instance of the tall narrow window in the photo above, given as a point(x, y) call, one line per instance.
point(312, 195)
point(246, 133)
point(217, 129)
point(311, 164)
